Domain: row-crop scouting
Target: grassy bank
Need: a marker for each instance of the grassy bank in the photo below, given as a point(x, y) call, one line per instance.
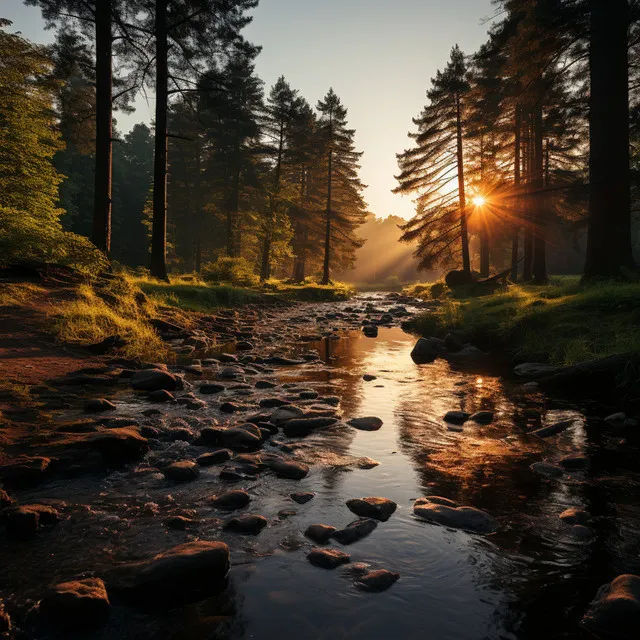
point(562, 323)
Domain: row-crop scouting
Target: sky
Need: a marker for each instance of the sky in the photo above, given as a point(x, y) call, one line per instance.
point(378, 55)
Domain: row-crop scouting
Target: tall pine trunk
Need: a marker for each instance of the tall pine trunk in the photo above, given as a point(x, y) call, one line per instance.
point(327, 237)
point(609, 236)
point(528, 205)
point(265, 268)
point(199, 211)
point(101, 228)
point(539, 266)
point(516, 183)
point(159, 226)
point(466, 262)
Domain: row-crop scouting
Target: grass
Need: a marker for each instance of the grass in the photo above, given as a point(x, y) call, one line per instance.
point(310, 291)
point(97, 313)
point(18, 293)
point(564, 322)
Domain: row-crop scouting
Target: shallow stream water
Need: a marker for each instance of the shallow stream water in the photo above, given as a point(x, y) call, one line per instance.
point(531, 579)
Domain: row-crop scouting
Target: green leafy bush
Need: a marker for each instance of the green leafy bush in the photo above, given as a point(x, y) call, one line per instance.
point(236, 271)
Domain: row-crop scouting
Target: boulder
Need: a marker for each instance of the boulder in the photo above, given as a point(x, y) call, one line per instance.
point(210, 388)
point(615, 611)
point(355, 531)
point(119, 445)
point(427, 350)
point(248, 525)
point(182, 471)
point(265, 384)
point(376, 581)
point(231, 500)
point(98, 405)
point(242, 438)
point(465, 518)
point(214, 457)
point(328, 558)
point(367, 423)
point(77, 605)
point(575, 516)
point(370, 330)
point(320, 533)
point(302, 497)
point(286, 413)
point(456, 417)
point(291, 469)
point(272, 403)
point(376, 508)
point(482, 417)
point(153, 380)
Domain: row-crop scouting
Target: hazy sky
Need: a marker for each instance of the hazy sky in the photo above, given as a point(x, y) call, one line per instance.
point(378, 55)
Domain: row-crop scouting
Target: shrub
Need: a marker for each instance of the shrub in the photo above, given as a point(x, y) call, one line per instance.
point(237, 271)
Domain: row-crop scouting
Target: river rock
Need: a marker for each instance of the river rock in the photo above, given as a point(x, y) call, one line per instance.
point(615, 611)
point(582, 533)
point(179, 523)
point(355, 531)
point(242, 438)
point(186, 573)
point(456, 417)
point(302, 497)
point(466, 518)
point(272, 403)
point(265, 384)
point(547, 470)
point(616, 419)
point(161, 395)
point(77, 605)
point(98, 405)
point(573, 463)
point(320, 533)
point(368, 423)
point(211, 388)
point(286, 413)
point(25, 472)
point(120, 445)
point(328, 558)
point(427, 350)
point(575, 516)
point(308, 394)
point(153, 379)
point(482, 417)
point(24, 521)
point(300, 427)
point(182, 471)
point(376, 581)
point(535, 370)
point(436, 500)
point(231, 500)
point(370, 330)
point(373, 507)
point(289, 469)
point(368, 377)
point(248, 525)
point(214, 457)
point(554, 429)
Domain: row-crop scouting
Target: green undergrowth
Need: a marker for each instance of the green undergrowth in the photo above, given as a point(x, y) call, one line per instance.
point(564, 323)
point(18, 293)
point(101, 310)
point(309, 291)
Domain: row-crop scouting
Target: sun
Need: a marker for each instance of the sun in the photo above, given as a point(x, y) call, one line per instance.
point(478, 201)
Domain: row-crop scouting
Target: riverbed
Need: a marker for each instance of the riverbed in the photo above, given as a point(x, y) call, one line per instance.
point(532, 578)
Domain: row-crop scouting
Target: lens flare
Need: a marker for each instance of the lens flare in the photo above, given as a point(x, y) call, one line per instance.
point(478, 201)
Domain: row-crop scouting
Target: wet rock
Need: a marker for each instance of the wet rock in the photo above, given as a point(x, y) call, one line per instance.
point(282, 361)
point(247, 525)
point(373, 507)
point(25, 472)
point(370, 330)
point(286, 413)
point(534, 370)
point(330, 400)
point(182, 471)
point(575, 516)
point(244, 345)
point(547, 470)
point(368, 423)
point(243, 438)
point(272, 403)
point(179, 434)
point(367, 377)
point(302, 497)
point(98, 405)
point(436, 500)
point(482, 417)
point(120, 445)
point(265, 384)
point(186, 573)
point(456, 417)
point(231, 500)
point(231, 373)
point(24, 521)
point(190, 401)
point(582, 533)
point(77, 605)
point(354, 531)
point(153, 380)
point(328, 558)
point(289, 469)
point(210, 388)
point(366, 463)
point(161, 395)
point(232, 407)
point(377, 581)
point(573, 463)
point(228, 358)
point(554, 429)
point(453, 343)
point(615, 611)
point(427, 350)
point(308, 395)
point(300, 427)
point(616, 419)
point(214, 457)
point(466, 518)
point(179, 523)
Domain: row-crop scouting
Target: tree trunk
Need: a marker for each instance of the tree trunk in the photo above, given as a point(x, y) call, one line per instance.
point(199, 212)
point(528, 225)
point(516, 183)
point(484, 250)
point(466, 262)
point(327, 237)
point(101, 229)
point(609, 249)
point(265, 267)
point(159, 226)
point(539, 267)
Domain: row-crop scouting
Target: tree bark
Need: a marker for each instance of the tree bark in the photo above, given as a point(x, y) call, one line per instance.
point(327, 237)
point(539, 267)
point(159, 226)
point(516, 183)
point(101, 228)
point(528, 205)
point(609, 249)
point(199, 212)
point(466, 262)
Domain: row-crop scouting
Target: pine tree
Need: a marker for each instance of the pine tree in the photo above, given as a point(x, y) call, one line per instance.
point(345, 208)
point(434, 170)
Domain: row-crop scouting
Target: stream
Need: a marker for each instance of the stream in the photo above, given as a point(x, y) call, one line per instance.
point(532, 578)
